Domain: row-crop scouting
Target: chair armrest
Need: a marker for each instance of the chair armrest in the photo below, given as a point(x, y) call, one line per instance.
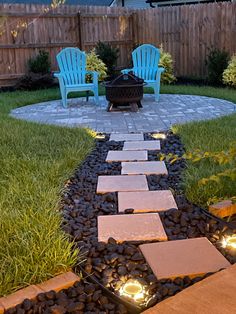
point(57, 74)
point(94, 75)
point(161, 70)
point(126, 71)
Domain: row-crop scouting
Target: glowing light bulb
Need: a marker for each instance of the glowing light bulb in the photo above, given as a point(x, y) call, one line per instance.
point(159, 136)
point(132, 289)
point(229, 241)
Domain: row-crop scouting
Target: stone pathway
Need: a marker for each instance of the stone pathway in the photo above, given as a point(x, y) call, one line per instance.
point(170, 109)
point(167, 259)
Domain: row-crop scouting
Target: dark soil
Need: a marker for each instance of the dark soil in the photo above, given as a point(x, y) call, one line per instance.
point(112, 264)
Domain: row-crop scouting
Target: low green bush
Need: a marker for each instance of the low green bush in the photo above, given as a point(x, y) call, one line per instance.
point(40, 63)
point(108, 55)
point(229, 74)
point(39, 76)
point(94, 63)
point(166, 62)
point(216, 62)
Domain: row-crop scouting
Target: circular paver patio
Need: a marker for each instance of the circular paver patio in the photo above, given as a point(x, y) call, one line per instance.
point(153, 116)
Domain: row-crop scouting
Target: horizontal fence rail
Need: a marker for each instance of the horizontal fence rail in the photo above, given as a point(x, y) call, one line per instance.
point(188, 32)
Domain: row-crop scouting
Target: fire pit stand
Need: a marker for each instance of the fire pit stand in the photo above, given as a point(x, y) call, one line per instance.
point(125, 91)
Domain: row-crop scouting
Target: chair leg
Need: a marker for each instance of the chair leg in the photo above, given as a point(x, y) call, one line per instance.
point(64, 99)
point(157, 92)
point(96, 95)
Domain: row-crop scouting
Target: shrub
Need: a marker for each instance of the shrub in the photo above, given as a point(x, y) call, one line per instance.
point(40, 64)
point(108, 55)
point(229, 75)
point(216, 64)
point(166, 62)
point(39, 75)
point(96, 64)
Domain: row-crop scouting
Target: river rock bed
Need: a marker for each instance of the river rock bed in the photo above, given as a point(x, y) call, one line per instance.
point(82, 297)
point(112, 264)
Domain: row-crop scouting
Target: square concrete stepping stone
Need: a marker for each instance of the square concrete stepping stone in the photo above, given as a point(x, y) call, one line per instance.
point(139, 227)
point(108, 184)
point(126, 137)
point(121, 155)
point(179, 258)
point(147, 167)
point(142, 145)
point(146, 201)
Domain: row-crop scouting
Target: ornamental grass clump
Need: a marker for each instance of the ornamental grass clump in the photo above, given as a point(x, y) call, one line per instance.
point(94, 63)
point(166, 61)
point(229, 74)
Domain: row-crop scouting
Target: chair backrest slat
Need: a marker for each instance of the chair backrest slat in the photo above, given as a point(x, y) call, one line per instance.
point(72, 63)
point(145, 61)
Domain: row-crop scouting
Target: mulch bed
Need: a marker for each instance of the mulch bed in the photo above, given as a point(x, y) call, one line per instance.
point(112, 264)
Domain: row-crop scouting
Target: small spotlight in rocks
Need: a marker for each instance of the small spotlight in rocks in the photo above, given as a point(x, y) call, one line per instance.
point(229, 242)
point(100, 136)
point(159, 136)
point(133, 289)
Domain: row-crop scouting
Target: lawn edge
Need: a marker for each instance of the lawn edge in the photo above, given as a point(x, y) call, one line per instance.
point(58, 283)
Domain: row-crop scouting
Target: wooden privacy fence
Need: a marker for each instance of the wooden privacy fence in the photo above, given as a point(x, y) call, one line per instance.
point(188, 32)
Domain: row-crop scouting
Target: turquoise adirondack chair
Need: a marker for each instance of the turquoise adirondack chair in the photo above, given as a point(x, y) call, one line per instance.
point(145, 65)
point(72, 75)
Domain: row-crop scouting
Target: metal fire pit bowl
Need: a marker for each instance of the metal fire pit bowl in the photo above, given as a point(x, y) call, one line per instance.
point(126, 90)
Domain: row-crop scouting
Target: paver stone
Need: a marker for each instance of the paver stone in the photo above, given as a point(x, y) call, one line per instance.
point(59, 282)
point(134, 227)
point(179, 258)
point(142, 145)
point(146, 201)
point(121, 183)
point(126, 137)
point(214, 294)
point(121, 155)
point(147, 167)
point(19, 296)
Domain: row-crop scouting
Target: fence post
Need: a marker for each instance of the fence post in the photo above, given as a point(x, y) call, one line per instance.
point(79, 43)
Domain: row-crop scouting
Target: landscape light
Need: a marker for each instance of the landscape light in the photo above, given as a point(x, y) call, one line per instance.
point(133, 290)
point(100, 136)
point(159, 136)
point(229, 241)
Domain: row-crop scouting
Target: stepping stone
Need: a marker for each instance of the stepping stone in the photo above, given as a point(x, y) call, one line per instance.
point(121, 155)
point(142, 145)
point(215, 294)
point(146, 201)
point(139, 227)
point(179, 258)
point(126, 137)
point(147, 167)
point(108, 184)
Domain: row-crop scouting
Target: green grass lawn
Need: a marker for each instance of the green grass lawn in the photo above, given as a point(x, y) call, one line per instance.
point(35, 161)
point(208, 136)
